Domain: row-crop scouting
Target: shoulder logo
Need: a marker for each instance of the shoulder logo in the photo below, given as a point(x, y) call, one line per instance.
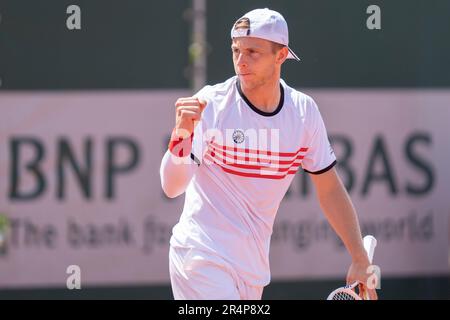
point(238, 136)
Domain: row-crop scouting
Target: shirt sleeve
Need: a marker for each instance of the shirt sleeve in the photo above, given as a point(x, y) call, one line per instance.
point(175, 173)
point(320, 156)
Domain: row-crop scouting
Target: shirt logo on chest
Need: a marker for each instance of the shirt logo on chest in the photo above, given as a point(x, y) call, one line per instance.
point(238, 136)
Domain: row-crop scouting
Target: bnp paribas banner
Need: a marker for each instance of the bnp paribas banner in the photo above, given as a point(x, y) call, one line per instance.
point(80, 188)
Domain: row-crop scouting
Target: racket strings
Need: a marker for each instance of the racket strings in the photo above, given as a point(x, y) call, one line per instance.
point(342, 295)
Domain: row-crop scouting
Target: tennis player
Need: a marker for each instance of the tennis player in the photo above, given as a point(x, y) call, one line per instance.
point(234, 151)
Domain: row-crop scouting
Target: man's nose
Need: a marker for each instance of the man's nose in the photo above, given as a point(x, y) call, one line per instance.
point(241, 61)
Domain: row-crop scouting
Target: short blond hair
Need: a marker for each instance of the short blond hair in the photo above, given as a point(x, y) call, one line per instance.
point(277, 47)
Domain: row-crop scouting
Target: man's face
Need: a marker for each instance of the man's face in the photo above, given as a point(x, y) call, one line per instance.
point(255, 61)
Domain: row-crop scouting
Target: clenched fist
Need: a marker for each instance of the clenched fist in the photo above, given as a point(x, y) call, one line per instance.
point(188, 114)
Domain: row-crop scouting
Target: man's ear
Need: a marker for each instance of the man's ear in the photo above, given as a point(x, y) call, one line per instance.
point(282, 55)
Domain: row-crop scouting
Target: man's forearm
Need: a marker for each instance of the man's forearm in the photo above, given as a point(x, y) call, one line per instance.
point(340, 212)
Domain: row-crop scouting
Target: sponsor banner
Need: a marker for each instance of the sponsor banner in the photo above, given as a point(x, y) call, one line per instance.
point(393, 156)
point(79, 184)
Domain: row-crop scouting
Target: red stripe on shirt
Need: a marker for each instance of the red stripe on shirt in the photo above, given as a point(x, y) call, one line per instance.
point(247, 158)
point(257, 151)
point(270, 167)
point(253, 175)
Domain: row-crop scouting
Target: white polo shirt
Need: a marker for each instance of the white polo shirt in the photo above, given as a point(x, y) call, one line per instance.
point(247, 159)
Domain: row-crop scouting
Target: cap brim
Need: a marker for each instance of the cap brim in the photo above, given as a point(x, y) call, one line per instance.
point(292, 55)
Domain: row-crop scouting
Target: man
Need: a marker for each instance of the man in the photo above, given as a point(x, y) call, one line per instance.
point(234, 150)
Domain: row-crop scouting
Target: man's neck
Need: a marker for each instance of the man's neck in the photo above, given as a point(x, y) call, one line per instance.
point(266, 97)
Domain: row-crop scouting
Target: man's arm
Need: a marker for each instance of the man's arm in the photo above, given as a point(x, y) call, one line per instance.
point(175, 173)
point(177, 169)
point(340, 213)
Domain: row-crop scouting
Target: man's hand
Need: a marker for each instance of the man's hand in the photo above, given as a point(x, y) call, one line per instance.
point(188, 114)
point(358, 273)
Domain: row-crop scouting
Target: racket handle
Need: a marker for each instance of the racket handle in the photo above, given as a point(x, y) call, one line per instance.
point(369, 244)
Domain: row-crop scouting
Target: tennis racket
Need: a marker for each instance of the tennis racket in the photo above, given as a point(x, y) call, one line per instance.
point(348, 292)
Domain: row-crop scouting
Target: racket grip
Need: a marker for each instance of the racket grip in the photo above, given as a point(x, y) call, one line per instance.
point(369, 245)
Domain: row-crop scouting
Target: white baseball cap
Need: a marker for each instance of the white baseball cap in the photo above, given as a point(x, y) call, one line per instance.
point(265, 24)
